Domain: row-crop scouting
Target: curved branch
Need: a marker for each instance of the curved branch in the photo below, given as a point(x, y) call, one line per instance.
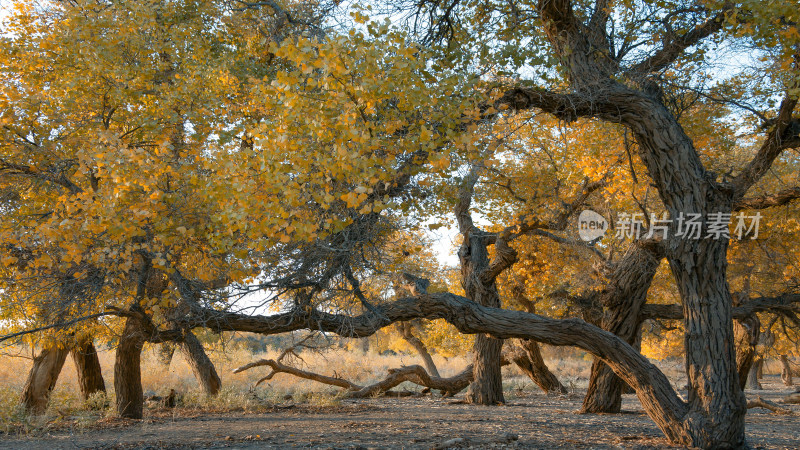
point(652, 387)
point(676, 45)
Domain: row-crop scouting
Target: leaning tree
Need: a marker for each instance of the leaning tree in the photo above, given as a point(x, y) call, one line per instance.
point(285, 165)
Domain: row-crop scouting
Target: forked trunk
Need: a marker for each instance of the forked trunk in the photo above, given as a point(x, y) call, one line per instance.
point(127, 371)
point(201, 365)
point(622, 299)
point(527, 356)
point(42, 378)
point(716, 403)
point(87, 365)
point(479, 285)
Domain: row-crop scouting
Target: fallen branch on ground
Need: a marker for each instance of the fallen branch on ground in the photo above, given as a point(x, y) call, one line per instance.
point(414, 374)
point(766, 404)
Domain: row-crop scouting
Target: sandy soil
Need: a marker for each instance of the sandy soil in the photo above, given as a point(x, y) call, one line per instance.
point(529, 420)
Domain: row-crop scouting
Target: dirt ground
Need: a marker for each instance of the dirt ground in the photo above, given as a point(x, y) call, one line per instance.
point(530, 420)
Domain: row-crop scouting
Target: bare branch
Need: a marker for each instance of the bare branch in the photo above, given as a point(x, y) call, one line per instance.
point(674, 46)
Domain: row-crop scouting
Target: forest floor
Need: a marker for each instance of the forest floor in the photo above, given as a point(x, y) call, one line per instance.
point(529, 420)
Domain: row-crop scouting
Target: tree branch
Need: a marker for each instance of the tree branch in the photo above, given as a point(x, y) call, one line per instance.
point(772, 147)
point(676, 45)
point(781, 304)
point(765, 201)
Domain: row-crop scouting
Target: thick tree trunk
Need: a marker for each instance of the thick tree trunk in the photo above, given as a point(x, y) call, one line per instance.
point(419, 346)
point(786, 371)
point(127, 371)
point(42, 379)
point(717, 405)
point(623, 298)
point(87, 365)
point(487, 385)
point(201, 365)
point(527, 356)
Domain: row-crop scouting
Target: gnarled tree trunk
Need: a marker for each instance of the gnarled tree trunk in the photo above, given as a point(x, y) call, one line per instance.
point(622, 299)
point(87, 365)
point(42, 378)
point(487, 385)
point(717, 405)
point(201, 365)
point(127, 371)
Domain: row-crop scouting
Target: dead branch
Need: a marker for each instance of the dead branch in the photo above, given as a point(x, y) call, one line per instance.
point(414, 374)
point(278, 367)
point(766, 404)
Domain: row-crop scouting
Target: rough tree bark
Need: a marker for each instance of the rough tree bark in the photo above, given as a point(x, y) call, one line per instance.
point(622, 299)
point(87, 365)
point(405, 329)
point(716, 404)
point(127, 371)
point(201, 365)
point(42, 378)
